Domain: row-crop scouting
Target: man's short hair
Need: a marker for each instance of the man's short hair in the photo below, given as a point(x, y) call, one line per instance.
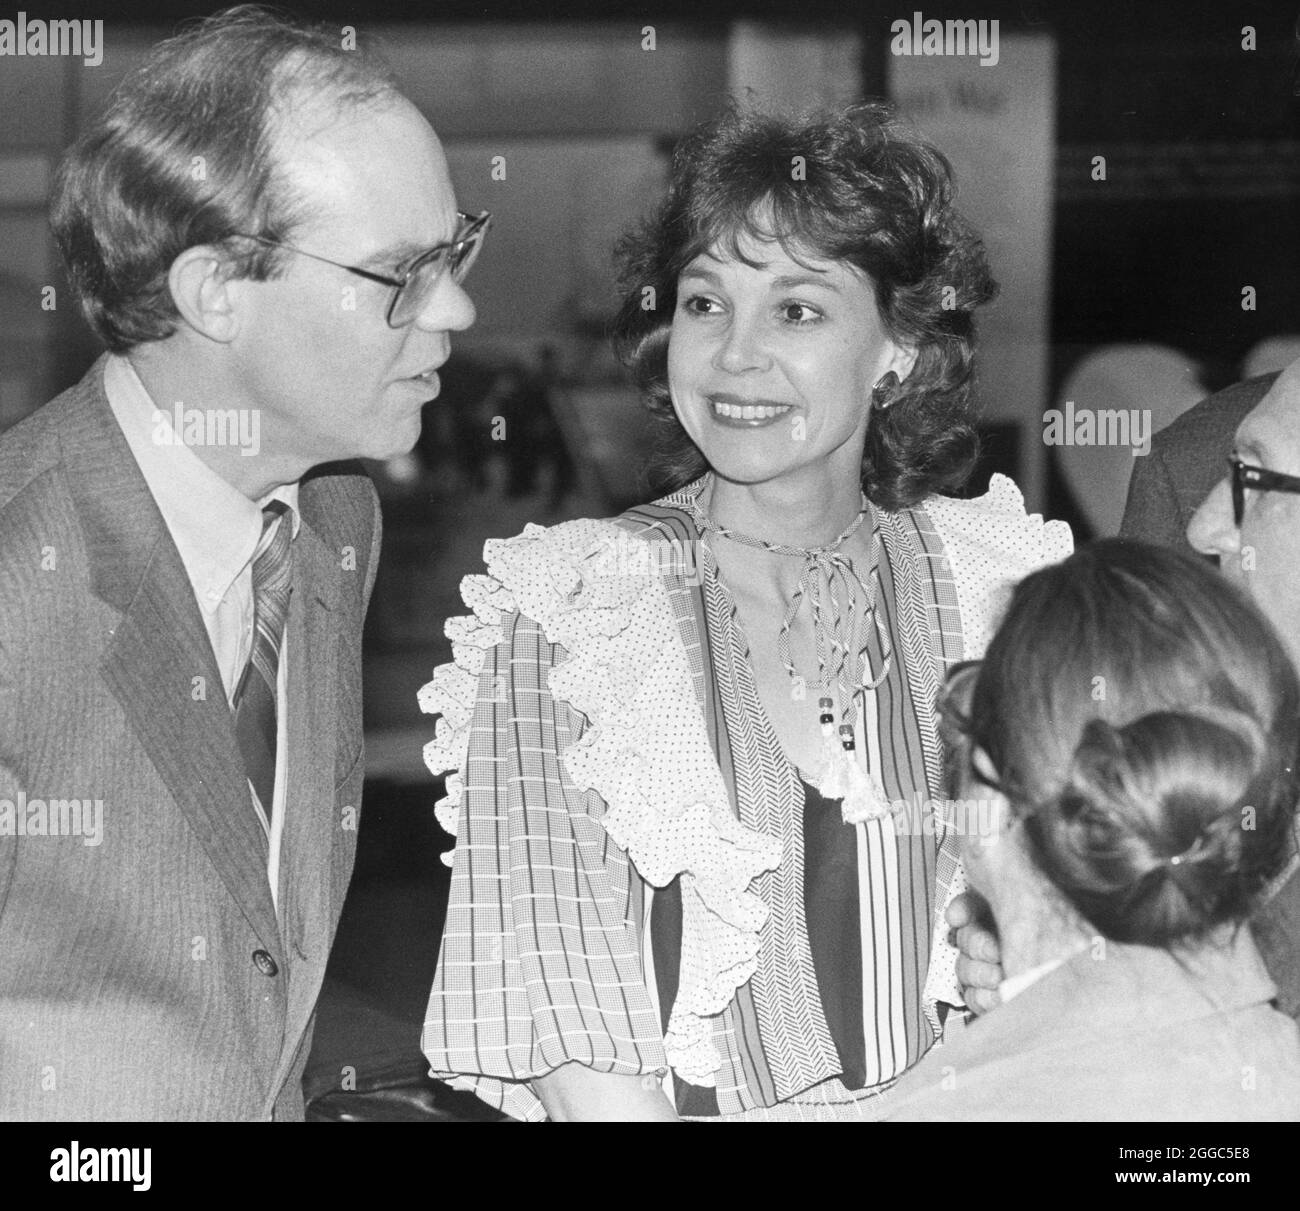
point(184, 156)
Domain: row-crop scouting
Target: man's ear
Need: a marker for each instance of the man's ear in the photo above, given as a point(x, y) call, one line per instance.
point(200, 287)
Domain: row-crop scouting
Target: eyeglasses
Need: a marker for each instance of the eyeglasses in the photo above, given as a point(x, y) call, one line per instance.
point(1259, 480)
point(414, 288)
point(953, 709)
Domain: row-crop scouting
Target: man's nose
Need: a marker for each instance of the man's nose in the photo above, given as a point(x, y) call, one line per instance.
point(1213, 529)
point(447, 309)
point(741, 349)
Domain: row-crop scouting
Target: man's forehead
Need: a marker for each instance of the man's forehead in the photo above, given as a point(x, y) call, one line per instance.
point(322, 131)
point(379, 165)
point(1272, 427)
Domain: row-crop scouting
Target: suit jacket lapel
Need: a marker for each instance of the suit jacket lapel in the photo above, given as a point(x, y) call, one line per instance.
point(160, 649)
point(311, 814)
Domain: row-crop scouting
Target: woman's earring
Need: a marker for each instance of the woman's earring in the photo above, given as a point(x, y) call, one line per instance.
point(882, 394)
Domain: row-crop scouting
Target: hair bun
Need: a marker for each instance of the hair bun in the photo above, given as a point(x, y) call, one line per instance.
point(1153, 836)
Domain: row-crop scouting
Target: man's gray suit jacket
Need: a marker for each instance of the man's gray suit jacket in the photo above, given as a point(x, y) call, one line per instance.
point(150, 976)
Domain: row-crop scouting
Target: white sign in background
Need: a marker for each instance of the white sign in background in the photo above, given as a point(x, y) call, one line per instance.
point(997, 126)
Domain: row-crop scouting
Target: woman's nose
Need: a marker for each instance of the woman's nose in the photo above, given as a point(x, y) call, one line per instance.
point(1213, 529)
point(741, 349)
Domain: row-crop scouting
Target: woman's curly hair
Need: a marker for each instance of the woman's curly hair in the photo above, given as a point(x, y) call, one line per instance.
point(851, 186)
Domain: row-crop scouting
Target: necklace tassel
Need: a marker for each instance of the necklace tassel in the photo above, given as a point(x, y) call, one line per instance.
point(863, 799)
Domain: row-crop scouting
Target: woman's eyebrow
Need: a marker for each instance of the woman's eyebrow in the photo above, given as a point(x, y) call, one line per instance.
point(813, 278)
point(787, 281)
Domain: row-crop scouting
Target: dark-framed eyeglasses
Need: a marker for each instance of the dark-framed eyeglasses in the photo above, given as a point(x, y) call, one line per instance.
point(1257, 479)
point(413, 289)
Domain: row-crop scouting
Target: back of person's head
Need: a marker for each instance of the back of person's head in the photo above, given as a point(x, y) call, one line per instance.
point(184, 156)
point(1143, 719)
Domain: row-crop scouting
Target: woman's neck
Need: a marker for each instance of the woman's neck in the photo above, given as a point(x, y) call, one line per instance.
point(1036, 924)
point(810, 512)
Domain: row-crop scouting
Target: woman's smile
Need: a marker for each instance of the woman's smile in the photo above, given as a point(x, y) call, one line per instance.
point(740, 412)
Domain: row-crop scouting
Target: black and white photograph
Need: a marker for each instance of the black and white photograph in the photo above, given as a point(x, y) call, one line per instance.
point(596, 562)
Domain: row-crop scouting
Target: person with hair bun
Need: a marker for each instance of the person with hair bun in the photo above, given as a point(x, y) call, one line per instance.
point(692, 747)
point(1131, 741)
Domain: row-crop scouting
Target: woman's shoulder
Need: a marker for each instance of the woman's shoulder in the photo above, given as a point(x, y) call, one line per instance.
point(572, 600)
point(990, 543)
point(583, 566)
point(998, 525)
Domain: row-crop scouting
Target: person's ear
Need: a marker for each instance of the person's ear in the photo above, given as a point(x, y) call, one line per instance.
point(902, 359)
point(996, 814)
point(982, 764)
point(200, 288)
point(891, 371)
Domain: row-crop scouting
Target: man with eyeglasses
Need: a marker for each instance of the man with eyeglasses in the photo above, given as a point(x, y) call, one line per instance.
point(1249, 521)
point(263, 233)
point(1185, 462)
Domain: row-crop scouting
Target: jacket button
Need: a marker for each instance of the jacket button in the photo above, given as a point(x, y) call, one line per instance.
point(264, 963)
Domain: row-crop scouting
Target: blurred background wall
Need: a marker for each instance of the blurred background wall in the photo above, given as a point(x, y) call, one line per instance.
point(578, 112)
point(562, 128)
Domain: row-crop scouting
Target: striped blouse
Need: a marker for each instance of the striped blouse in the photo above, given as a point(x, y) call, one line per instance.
point(560, 948)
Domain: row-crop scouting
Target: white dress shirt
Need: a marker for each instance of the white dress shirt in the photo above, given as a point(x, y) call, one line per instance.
point(217, 531)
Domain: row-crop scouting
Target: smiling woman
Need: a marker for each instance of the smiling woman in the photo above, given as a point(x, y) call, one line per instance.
point(857, 197)
point(682, 887)
point(782, 352)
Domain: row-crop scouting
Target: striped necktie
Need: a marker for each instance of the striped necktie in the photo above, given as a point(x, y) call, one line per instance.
point(255, 714)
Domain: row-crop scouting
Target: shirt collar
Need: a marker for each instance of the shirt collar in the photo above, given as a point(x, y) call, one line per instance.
point(215, 527)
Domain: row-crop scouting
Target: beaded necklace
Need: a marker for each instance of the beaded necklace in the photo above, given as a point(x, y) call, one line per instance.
point(839, 664)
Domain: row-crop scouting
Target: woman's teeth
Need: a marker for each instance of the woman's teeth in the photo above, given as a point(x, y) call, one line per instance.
point(749, 411)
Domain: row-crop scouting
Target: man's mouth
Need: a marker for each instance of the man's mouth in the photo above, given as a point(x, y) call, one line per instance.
point(427, 381)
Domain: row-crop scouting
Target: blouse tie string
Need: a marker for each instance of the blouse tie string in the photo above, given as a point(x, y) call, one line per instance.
point(849, 601)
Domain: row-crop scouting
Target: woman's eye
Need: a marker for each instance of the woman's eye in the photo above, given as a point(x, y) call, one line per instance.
point(698, 304)
point(799, 313)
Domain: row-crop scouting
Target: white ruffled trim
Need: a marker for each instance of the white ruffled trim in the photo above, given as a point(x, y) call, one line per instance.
point(991, 544)
point(454, 690)
point(592, 588)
